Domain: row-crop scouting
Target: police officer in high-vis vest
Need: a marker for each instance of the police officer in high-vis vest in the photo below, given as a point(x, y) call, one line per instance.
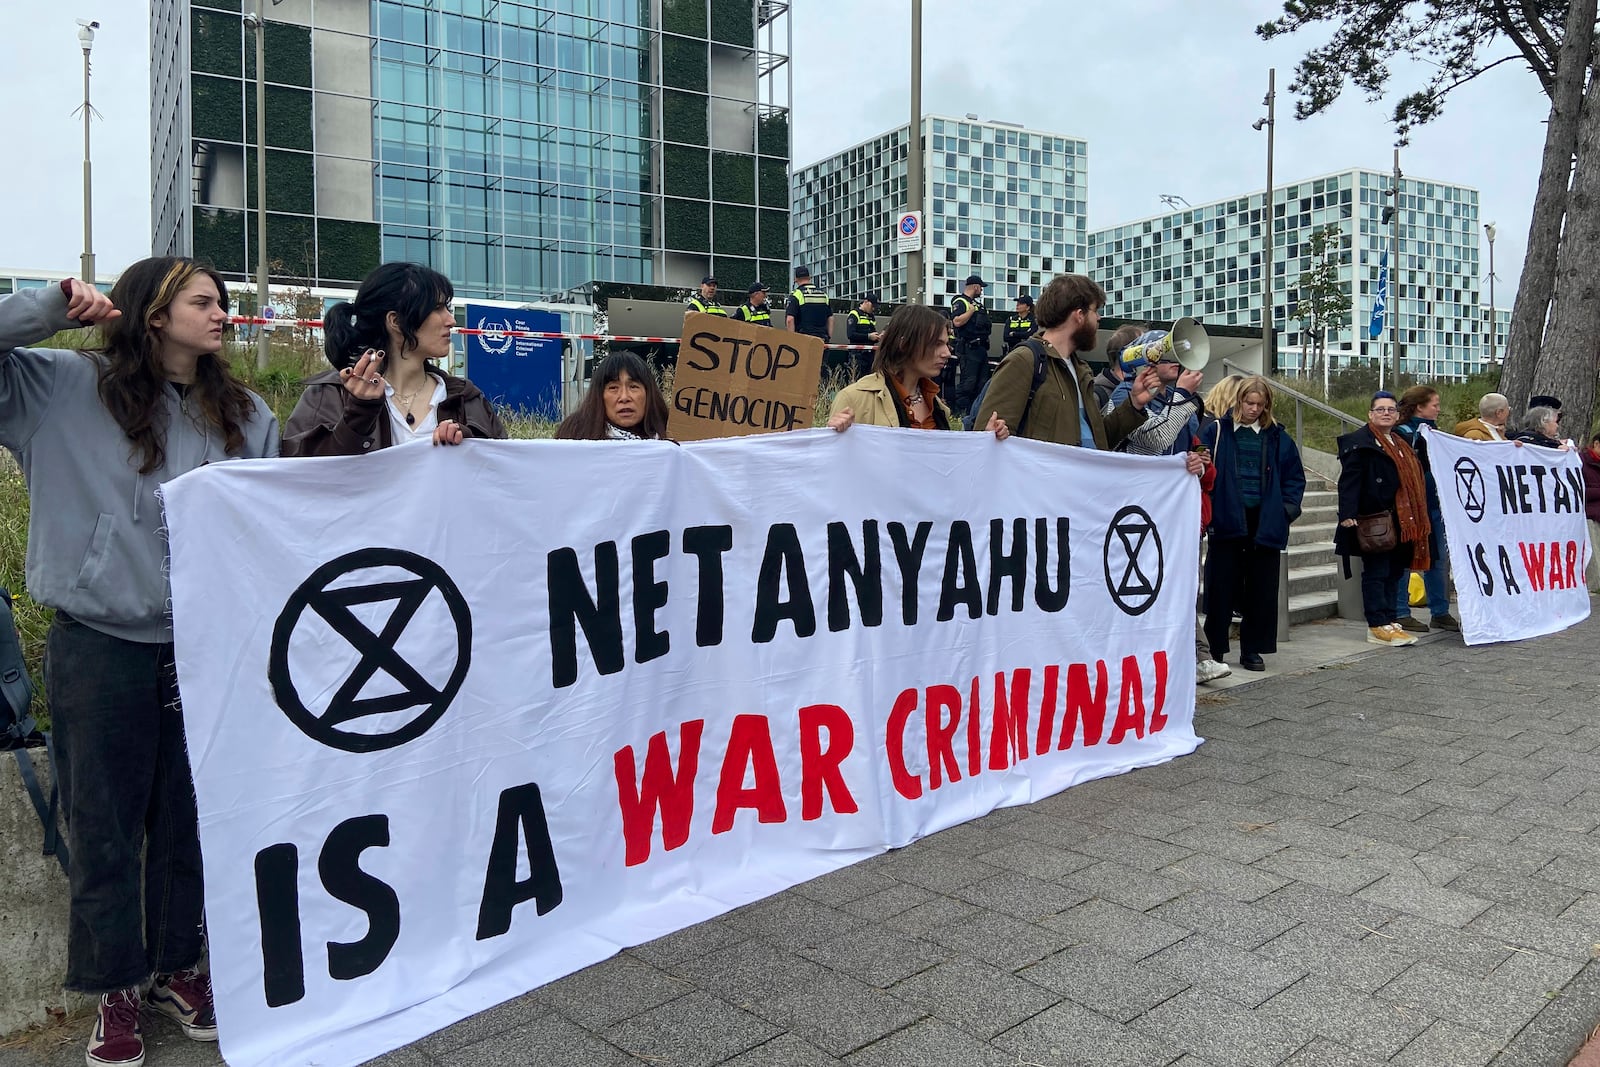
point(755, 309)
point(971, 320)
point(1018, 329)
point(807, 310)
point(706, 301)
point(862, 329)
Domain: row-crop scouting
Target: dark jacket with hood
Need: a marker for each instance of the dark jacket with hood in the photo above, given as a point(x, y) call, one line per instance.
point(329, 421)
point(1283, 485)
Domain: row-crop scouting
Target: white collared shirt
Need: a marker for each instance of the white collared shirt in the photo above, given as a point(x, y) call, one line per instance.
point(403, 434)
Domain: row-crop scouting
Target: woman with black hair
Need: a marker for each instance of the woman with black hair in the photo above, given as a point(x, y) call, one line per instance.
point(903, 388)
point(624, 403)
point(97, 432)
point(386, 387)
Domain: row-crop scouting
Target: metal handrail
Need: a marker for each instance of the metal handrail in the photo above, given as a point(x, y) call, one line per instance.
point(1301, 401)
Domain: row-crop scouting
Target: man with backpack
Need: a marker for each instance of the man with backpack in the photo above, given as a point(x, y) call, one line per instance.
point(1043, 389)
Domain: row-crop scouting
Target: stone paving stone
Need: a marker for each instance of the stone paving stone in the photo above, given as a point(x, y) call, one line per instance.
point(557, 1039)
point(890, 902)
point(1538, 973)
point(1524, 894)
point(1327, 841)
point(612, 990)
point(698, 1030)
point(1221, 1030)
point(1149, 825)
point(1343, 876)
point(979, 999)
point(791, 921)
point(1105, 982)
point(1498, 1009)
point(1019, 895)
point(1370, 798)
point(1129, 934)
point(832, 1011)
point(1461, 950)
point(923, 919)
point(877, 955)
point(1415, 896)
point(1002, 940)
point(1513, 858)
point(1224, 919)
point(968, 839)
point(1228, 841)
point(1126, 886)
point(932, 869)
point(1132, 850)
point(785, 1050)
point(485, 1024)
point(1445, 1042)
point(1320, 1052)
point(1224, 968)
point(1371, 1025)
point(929, 1043)
point(846, 884)
point(1570, 871)
point(1036, 859)
point(1054, 830)
point(1225, 877)
point(1338, 912)
point(1364, 965)
point(701, 939)
point(1556, 1033)
point(1411, 835)
point(1500, 829)
point(1070, 1035)
point(1528, 930)
point(1226, 792)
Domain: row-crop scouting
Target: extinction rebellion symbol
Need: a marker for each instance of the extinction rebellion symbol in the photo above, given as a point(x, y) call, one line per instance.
point(384, 610)
point(1134, 561)
point(1470, 488)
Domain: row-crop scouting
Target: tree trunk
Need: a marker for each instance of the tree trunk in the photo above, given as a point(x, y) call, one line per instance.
point(1567, 363)
point(1537, 285)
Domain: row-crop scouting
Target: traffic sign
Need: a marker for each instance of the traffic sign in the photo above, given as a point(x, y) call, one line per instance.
point(908, 232)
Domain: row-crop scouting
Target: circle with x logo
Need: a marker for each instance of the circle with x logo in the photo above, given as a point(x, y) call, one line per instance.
point(388, 610)
point(1470, 488)
point(1134, 562)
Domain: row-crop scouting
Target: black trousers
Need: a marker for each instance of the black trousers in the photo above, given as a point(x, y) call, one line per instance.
point(974, 372)
point(128, 796)
point(1242, 574)
point(1381, 575)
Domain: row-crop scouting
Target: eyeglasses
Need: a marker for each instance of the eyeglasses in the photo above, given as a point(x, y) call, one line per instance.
point(1386, 411)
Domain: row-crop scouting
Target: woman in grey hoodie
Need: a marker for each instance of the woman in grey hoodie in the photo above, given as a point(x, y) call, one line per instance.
point(96, 433)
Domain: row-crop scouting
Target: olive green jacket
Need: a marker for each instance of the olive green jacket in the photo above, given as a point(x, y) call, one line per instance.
point(1053, 415)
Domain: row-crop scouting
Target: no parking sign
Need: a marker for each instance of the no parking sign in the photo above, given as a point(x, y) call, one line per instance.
point(908, 232)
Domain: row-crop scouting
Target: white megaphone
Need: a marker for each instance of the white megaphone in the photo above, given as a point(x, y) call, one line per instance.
point(1187, 344)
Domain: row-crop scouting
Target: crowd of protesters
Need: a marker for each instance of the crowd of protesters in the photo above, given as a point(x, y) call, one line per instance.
point(159, 393)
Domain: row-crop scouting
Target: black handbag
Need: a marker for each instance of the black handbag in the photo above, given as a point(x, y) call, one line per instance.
point(1376, 534)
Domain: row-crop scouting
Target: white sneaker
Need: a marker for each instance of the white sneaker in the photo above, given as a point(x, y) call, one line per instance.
point(1209, 670)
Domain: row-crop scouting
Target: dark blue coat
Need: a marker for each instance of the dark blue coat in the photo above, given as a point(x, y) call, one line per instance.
point(1283, 485)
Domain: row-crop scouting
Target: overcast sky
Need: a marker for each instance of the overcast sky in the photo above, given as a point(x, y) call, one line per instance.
point(1164, 91)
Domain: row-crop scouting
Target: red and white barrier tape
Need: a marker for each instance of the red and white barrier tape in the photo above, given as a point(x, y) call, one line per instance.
point(316, 324)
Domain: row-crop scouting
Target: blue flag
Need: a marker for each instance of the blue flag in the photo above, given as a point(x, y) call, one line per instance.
point(1375, 328)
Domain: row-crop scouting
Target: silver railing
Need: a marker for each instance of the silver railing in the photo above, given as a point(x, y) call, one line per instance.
point(1301, 402)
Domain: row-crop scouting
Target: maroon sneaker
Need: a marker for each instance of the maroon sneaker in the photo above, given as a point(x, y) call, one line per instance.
point(117, 1038)
point(186, 997)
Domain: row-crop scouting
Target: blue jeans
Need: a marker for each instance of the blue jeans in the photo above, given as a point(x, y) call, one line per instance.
point(127, 796)
point(1435, 580)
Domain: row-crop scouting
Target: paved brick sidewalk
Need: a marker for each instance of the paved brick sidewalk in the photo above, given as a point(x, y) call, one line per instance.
point(1393, 859)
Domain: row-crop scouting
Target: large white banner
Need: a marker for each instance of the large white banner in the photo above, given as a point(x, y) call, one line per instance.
point(1513, 517)
point(465, 720)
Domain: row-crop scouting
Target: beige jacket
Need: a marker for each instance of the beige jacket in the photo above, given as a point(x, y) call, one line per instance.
point(871, 400)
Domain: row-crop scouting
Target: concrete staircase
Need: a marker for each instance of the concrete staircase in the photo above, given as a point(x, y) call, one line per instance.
point(1313, 568)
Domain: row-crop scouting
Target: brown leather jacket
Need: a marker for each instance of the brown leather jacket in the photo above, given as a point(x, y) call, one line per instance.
point(328, 421)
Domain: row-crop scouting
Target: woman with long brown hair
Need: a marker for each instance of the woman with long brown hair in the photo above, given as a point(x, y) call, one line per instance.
point(97, 432)
point(624, 403)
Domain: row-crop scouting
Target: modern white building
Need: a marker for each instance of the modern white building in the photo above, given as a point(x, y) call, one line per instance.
point(1000, 201)
point(1206, 261)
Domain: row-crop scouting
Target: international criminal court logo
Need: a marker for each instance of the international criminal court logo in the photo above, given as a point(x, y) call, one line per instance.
point(370, 649)
point(1134, 561)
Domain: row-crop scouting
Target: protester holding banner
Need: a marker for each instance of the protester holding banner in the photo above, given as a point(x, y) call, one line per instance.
point(1383, 516)
point(902, 389)
point(1260, 485)
point(97, 432)
point(1591, 509)
point(386, 387)
point(1541, 425)
point(1490, 425)
point(1419, 407)
point(624, 402)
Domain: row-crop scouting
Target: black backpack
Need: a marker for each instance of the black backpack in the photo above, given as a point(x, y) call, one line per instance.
point(19, 730)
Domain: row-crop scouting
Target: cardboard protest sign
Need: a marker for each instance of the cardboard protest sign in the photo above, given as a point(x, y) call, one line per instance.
point(734, 378)
point(439, 764)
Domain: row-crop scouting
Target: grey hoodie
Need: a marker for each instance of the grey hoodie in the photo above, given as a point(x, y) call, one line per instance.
point(96, 545)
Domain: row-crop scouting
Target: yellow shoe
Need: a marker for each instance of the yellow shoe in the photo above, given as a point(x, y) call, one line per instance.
point(1398, 636)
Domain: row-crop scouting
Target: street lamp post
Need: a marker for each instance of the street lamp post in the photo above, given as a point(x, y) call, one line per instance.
point(1268, 122)
point(913, 260)
point(1488, 229)
point(86, 28)
point(257, 24)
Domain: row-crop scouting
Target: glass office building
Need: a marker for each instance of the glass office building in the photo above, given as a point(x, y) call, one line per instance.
point(1000, 201)
point(522, 148)
point(1206, 261)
